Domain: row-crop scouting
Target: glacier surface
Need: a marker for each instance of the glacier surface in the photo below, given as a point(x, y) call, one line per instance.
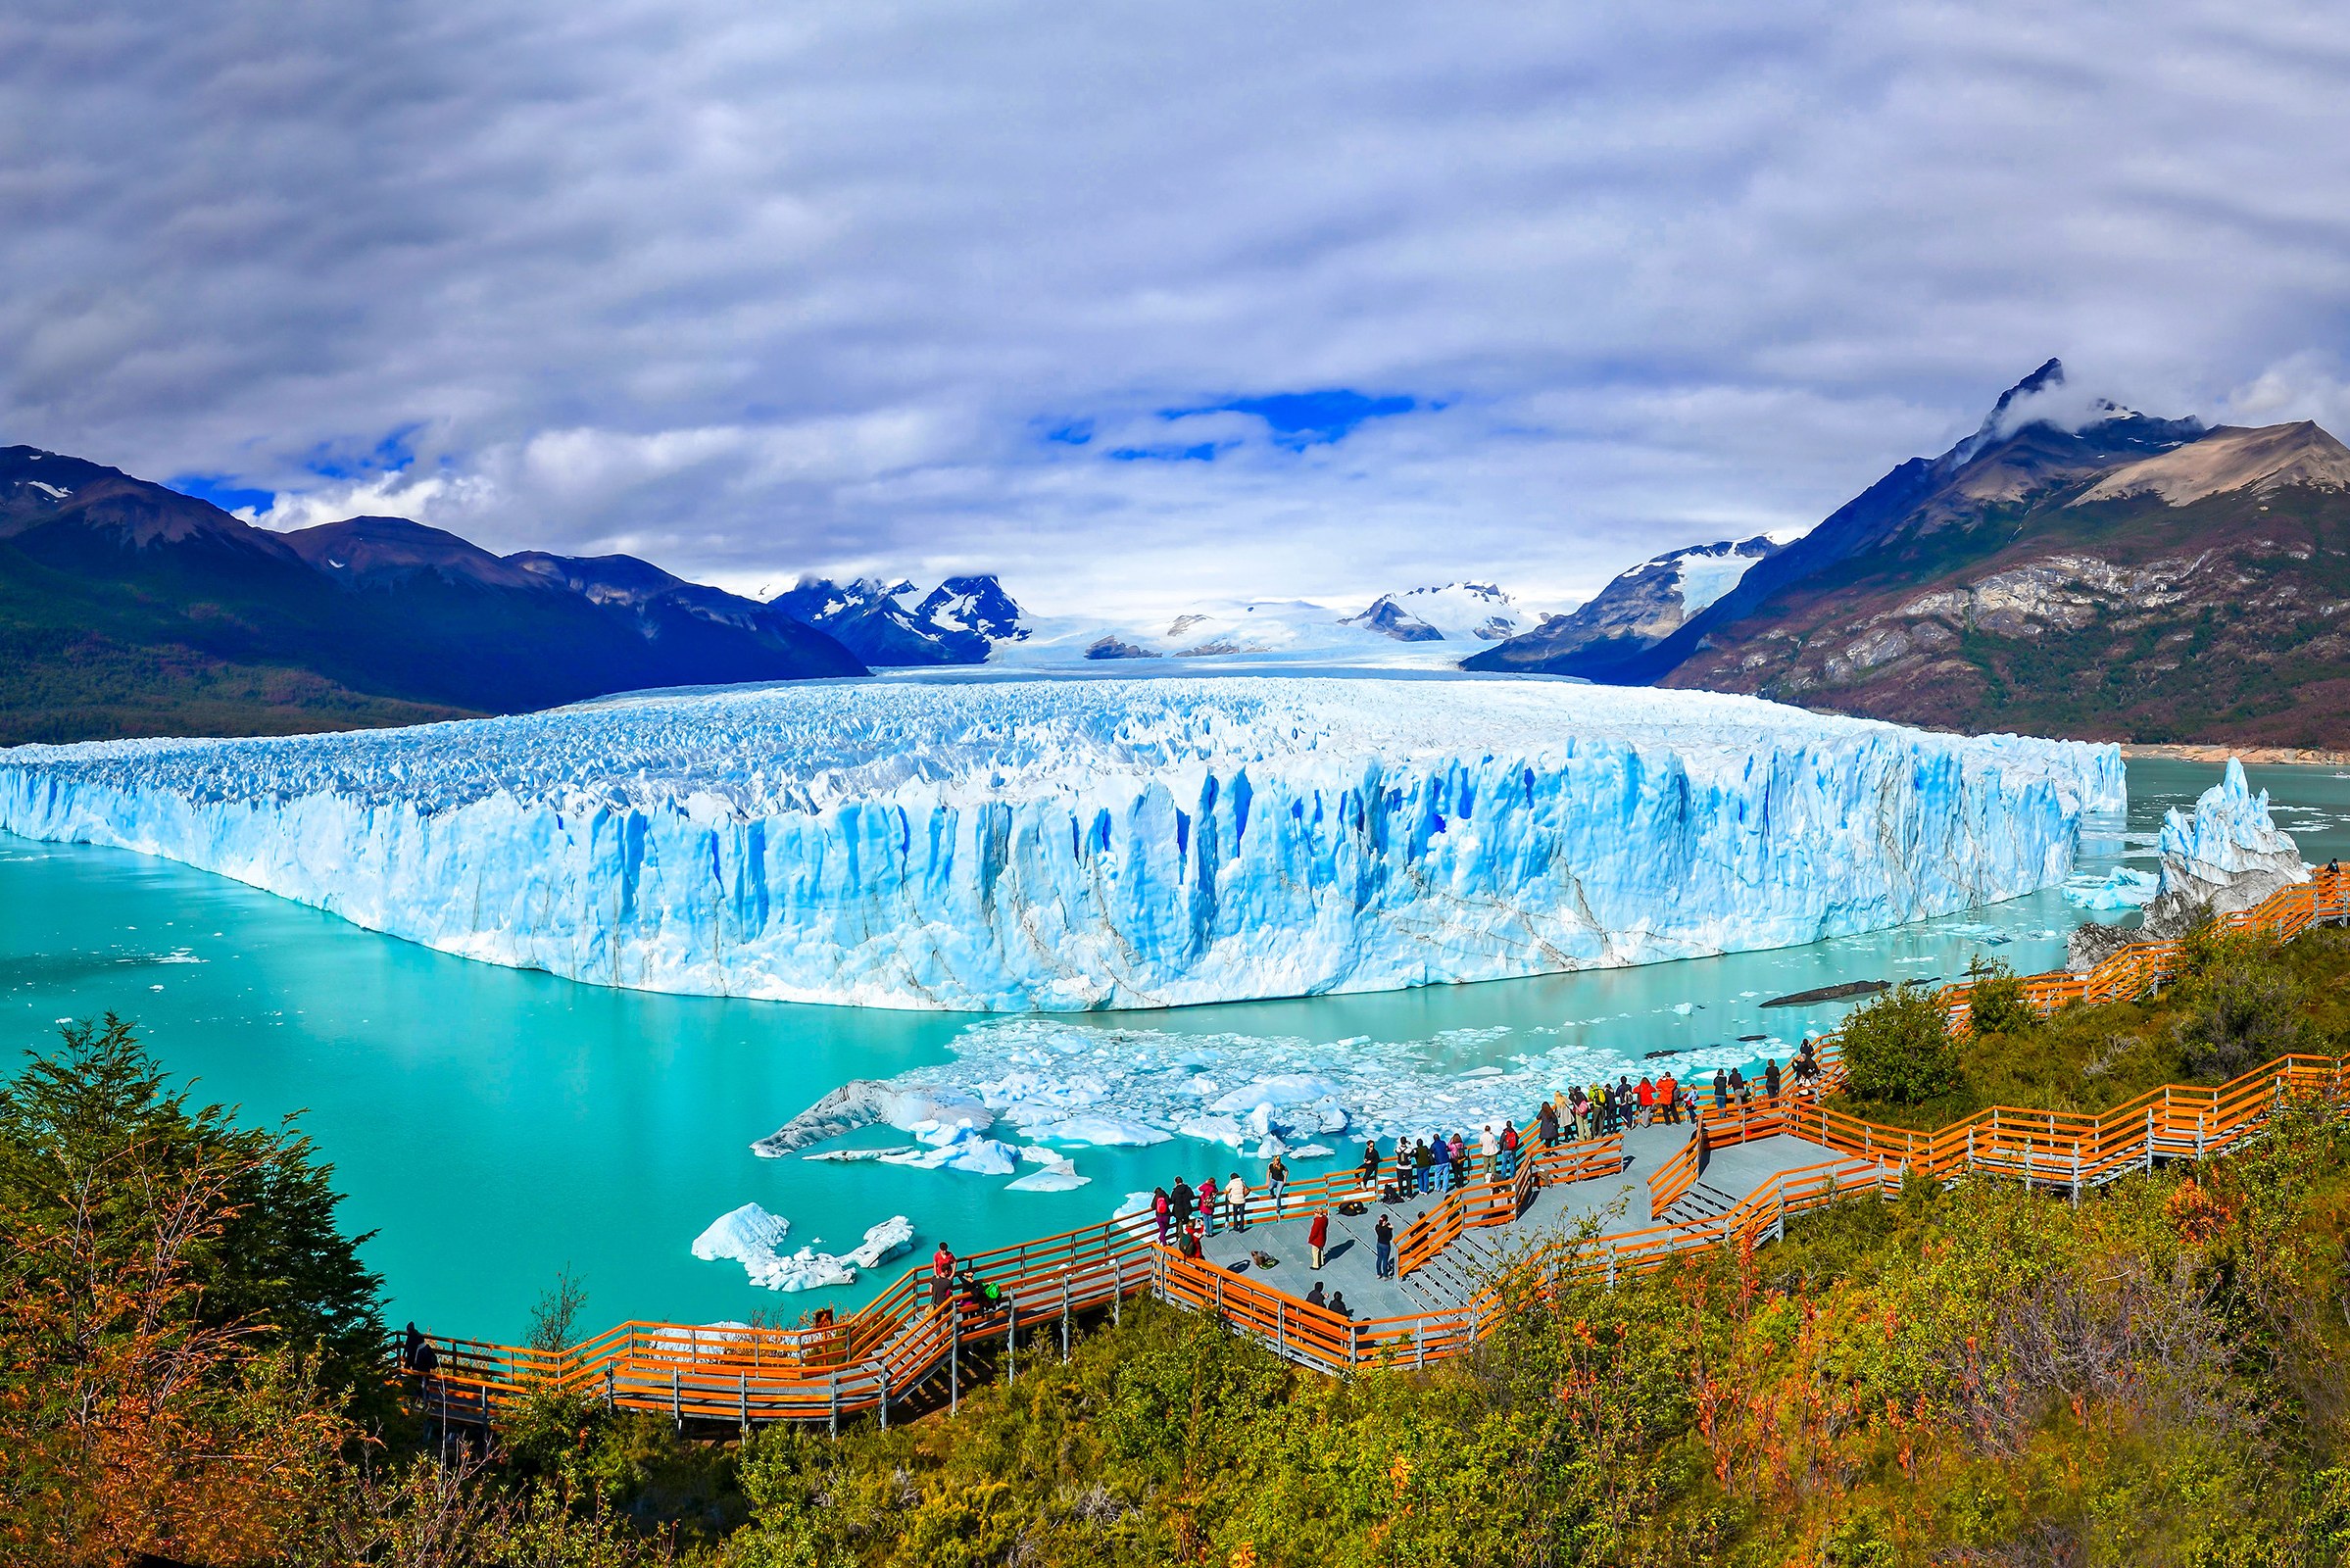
point(1027, 843)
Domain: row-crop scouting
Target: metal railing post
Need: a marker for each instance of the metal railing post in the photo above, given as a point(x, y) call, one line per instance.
point(1012, 1338)
point(676, 1405)
point(881, 1375)
point(833, 1392)
point(955, 1358)
point(1064, 1317)
point(742, 1395)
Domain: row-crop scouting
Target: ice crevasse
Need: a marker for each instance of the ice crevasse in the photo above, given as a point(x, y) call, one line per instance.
point(1080, 844)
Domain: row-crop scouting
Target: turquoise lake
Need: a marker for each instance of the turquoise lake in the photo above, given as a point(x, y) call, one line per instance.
point(492, 1126)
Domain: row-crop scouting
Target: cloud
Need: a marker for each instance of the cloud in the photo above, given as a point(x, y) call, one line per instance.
point(1366, 294)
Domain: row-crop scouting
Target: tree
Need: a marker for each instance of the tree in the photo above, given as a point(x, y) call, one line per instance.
point(1897, 1049)
point(274, 1266)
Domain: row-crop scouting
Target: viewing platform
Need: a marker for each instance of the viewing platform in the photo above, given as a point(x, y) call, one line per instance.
point(1594, 1210)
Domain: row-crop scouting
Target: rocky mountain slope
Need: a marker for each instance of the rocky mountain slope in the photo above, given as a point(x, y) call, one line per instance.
point(129, 609)
point(1638, 608)
point(960, 621)
point(2133, 578)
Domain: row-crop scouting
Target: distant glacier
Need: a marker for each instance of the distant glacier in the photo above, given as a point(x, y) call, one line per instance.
point(1001, 845)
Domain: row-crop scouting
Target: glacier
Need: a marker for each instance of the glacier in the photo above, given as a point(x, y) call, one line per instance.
point(993, 844)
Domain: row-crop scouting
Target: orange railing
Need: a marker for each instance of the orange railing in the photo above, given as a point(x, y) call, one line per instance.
point(901, 1339)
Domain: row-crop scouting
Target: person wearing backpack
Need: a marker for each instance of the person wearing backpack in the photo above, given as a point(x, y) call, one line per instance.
point(1385, 1234)
point(1509, 1150)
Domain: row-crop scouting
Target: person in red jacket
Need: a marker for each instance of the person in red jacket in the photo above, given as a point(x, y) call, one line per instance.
point(941, 1275)
point(1318, 1236)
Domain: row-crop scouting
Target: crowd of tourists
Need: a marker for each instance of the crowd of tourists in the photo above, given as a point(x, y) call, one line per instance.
point(1188, 1214)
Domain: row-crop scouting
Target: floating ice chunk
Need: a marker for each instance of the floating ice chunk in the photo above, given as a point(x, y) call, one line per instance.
point(964, 1150)
point(2119, 888)
point(1060, 1176)
point(1311, 1151)
point(750, 1233)
point(863, 1102)
point(1683, 1008)
point(1283, 1089)
point(1100, 1131)
point(883, 1242)
point(1215, 1130)
point(746, 1234)
point(1136, 1213)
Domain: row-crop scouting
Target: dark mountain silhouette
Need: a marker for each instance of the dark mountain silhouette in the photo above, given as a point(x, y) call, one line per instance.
point(127, 608)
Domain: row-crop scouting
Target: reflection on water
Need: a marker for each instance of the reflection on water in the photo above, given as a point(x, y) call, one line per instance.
point(493, 1125)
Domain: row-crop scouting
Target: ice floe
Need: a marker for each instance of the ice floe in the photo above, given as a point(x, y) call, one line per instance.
point(2119, 888)
point(750, 1235)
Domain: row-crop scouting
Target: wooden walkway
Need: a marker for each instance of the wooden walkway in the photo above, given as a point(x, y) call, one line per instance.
point(1601, 1208)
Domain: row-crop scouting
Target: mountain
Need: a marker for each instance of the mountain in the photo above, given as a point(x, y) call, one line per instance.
point(130, 609)
point(1424, 627)
point(960, 621)
point(2130, 578)
point(1638, 610)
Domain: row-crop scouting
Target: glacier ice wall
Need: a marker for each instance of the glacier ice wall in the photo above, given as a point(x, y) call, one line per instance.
point(1103, 843)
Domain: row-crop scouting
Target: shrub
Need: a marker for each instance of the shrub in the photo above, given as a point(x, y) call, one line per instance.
point(1996, 1001)
point(2239, 1009)
point(1897, 1049)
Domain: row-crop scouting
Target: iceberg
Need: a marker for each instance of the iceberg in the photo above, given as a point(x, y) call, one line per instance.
point(745, 1234)
point(958, 1148)
point(1058, 1176)
point(2119, 888)
point(2228, 853)
point(750, 1234)
point(1101, 1132)
point(1000, 845)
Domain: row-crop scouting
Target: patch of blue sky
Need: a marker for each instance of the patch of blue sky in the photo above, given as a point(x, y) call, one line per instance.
point(341, 461)
point(1198, 452)
point(1300, 419)
point(223, 492)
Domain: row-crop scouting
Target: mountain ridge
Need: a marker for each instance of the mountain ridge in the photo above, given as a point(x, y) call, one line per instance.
point(2130, 578)
point(129, 607)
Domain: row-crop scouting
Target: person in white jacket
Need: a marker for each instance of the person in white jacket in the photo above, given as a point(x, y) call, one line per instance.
point(1236, 1202)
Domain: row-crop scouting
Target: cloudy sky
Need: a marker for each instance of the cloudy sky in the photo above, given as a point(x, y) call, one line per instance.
point(1136, 304)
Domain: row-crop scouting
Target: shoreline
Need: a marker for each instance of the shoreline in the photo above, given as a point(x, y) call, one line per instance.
point(2221, 752)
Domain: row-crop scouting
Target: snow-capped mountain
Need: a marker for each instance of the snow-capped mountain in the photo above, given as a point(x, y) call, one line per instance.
point(1429, 627)
point(1650, 603)
point(960, 621)
point(1457, 611)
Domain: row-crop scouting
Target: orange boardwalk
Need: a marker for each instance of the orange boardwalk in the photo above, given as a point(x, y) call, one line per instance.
point(1604, 1208)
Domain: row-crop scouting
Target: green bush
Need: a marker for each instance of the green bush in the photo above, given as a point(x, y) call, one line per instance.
point(1897, 1049)
point(1996, 1001)
point(2239, 1008)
